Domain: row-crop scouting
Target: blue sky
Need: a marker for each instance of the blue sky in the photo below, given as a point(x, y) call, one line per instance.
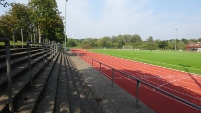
point(157, 18)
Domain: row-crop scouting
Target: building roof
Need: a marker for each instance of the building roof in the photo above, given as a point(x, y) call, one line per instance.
point(194, 45)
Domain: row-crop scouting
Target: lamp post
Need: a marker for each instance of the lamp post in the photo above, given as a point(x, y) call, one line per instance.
point(65, 23)
point(175, 40)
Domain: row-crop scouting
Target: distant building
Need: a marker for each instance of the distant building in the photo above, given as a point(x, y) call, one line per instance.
point(193, 47)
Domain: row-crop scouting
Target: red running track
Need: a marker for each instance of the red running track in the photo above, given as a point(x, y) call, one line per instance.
point(184, 85)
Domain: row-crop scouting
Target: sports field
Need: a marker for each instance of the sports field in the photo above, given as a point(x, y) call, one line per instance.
point(185, 86)
point(184, 61)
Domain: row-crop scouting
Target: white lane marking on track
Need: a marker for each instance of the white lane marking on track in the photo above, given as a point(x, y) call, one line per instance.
point(172, 81)
point(159, 63)
point(150, 81)
point(183, 93)
point(179, 91)
point(175, 91)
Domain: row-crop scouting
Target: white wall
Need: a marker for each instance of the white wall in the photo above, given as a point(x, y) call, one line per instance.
point(199, 50)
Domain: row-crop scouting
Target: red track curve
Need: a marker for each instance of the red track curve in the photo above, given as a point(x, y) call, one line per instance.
point(184, 85)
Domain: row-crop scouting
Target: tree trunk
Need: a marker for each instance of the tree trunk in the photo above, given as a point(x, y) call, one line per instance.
point(39, 34)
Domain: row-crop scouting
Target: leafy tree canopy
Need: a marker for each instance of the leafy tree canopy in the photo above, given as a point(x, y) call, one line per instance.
point(39, 17)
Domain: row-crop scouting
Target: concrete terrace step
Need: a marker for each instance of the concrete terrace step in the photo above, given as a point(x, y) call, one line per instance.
point(12, 50)
point(57, 89)
point(20, 60)
point(62, 99)
point(27, 101)
point(16, 50)
point(19, 84)
point(18, 70)
point(66, 85)
point(18, 54)
point(46, 100)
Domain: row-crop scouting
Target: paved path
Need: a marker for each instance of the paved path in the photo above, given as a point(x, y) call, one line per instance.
point(112, 99)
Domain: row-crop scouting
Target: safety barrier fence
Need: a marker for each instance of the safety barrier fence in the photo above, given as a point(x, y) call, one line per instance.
point(138, 81)
point(29, 58)
point(8, 64)
point(53, 50)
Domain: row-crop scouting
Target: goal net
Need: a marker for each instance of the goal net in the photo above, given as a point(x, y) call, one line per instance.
point(127, 47)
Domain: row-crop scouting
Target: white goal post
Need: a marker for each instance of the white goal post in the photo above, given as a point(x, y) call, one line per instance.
point(127, 47)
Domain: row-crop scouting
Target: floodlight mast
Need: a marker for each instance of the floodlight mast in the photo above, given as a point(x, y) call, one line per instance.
point(65, 22)
point(175, 47)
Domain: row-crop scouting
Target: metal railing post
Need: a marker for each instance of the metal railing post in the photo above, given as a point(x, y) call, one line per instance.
point(57, 48)
point(8, 64)
point(92, 62)
point(43, 57)
point(100, 66)
point(29, 63)
point(137, 92)
point(45, 49)
point(51, 50)
point(10, 92)
point(112, 77)
point(29, 59)
point(54, 49)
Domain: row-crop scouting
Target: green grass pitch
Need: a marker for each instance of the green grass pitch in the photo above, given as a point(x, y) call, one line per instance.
point(179, 60)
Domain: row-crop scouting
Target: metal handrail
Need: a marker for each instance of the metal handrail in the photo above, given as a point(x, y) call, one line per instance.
point(29, 58)
point(53, 50)
point(8, 63)
point(145, 83)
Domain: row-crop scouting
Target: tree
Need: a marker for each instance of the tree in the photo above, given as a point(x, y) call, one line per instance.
point(171, 44)
point(193, 40)
point(114, 39)
point(38, 16)
point(163, 45)
point(105, 41)
point(136, 41)
point(136, 38)
point(121, 41)
point(100, 42)
point(47, 20)
point(71, 43)
point(4, 3)
point(5, 27)
point(127, 38)
point(181, 45)
point(184, 40)
point(199, 39)
point(150, 43)
point(16, 18)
